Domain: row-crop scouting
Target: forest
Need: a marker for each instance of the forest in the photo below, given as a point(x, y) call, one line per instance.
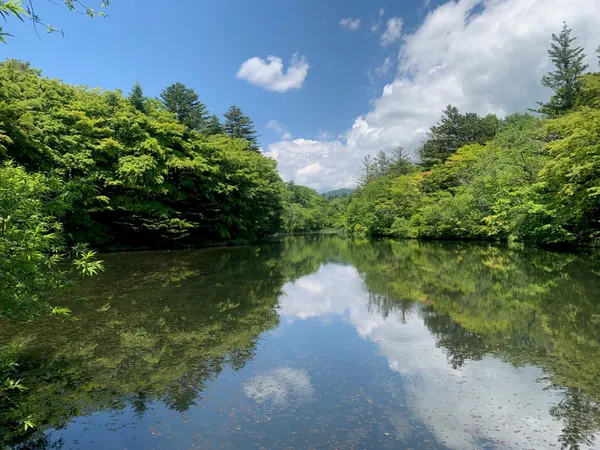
point(87, 169)
point(526, 177)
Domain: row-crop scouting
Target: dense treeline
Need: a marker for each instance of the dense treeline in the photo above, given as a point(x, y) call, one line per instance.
point(87, 166)
point(139, 170)
point(520, 178)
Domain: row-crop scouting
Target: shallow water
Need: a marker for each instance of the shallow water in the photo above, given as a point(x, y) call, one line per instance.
point(319, 342)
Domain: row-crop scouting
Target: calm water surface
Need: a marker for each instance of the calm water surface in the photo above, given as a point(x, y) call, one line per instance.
point(318, 342)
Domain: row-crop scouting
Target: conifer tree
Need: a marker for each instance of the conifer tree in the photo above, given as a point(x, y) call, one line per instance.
point(136, 97)
point(213, 126)
point(564, 80)
point(454, 131)
point(185, 104)
point(240, 126)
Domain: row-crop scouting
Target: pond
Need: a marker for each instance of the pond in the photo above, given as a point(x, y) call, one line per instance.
point(317, 342)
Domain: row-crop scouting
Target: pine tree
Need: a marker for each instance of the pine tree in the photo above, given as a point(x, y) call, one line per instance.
point(185, 104)
point(367, 173)
point(401, 163)
point(454, 131)
point(564, 81)
point(238, 125)
point(213, 126)
point(382, 164)
point(136, 97)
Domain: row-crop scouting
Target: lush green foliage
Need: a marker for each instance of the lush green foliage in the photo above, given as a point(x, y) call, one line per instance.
point(185, 104)
point(303, 209)
point(31, 244)
point(140, 176)
point(237, 125)
point(454, 131)
point(564, 80)
point(516, 179)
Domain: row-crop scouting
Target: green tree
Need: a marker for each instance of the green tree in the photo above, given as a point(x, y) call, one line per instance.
point(32, 243)
point(213, 126)
point(572, 173)
point(368, 171)
point(142, 178)
point(454, 131)
point(239, 126)
point(400, 163)
point(564, 80)
point(303, 209)
point(136, 97)
point(185, 104)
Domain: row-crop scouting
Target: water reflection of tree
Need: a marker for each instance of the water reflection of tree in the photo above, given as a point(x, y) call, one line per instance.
point(581, 415)
point(526, 307)
point(460, 344)
point(159, 326)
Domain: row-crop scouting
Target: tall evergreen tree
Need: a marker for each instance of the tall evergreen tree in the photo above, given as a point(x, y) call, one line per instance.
point(185, 104)
point(136, 97)
point(454, 131)
point(564, 80)
point(401, 163)
point(382, 164)
point(368, 171)
point(240, 126)
point(213, 126)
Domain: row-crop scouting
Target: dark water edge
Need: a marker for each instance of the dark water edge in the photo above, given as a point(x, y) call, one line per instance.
point(318, 341)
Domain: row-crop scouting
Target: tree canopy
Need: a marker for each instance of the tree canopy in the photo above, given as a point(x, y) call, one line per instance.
point(139, 177)
point(565, 79)
point(239, 126)
point(519, 178)
point(452, 132)
point(186, 105)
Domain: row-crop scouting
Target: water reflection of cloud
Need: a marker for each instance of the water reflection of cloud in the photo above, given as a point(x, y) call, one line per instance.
point(485, 401)
point(312, 296)
point(280, 386)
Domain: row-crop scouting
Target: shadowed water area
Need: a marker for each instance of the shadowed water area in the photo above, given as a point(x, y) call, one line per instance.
point(317, 342)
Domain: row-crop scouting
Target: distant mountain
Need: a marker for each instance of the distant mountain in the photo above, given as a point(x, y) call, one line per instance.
point(343, 192)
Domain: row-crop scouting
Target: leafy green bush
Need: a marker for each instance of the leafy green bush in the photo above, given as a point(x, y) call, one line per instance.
point(32, 244)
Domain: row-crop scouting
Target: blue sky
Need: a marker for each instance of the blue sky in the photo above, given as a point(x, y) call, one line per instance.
point(345, 105)
point(203, 44)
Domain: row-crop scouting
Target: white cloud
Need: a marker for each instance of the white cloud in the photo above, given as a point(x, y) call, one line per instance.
point(350, 24)
point(384, 67)
point(280, 129)
point(323, 135)
point(297, 160)
point(281, 386)
point(393, 31)
point(311, 286)
point(486, 400)
point(270, 75)
point(376, 25)
point(490, 62)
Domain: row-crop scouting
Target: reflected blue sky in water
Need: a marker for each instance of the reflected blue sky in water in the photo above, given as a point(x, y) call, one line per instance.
point(336, 373)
